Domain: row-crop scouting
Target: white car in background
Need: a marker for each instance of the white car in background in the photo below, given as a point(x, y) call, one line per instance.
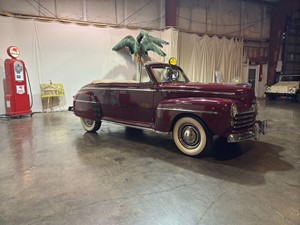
point(287, 86)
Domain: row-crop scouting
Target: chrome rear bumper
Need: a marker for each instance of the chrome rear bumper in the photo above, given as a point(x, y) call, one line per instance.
point(259, 128)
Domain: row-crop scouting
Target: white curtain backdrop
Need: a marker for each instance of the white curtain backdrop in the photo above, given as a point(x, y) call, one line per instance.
point(75, 55)
point(201, 56)
point(70, 54)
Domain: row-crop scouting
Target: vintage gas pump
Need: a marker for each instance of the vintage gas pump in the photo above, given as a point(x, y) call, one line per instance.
point(16, 98)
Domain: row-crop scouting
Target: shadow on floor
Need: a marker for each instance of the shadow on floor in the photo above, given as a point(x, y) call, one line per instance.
point(244, 163)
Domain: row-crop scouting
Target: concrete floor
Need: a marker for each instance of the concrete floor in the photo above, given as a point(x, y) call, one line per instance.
point(52, 172)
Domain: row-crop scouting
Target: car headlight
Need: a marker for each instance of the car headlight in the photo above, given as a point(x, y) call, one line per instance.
point(292, 90)
point(268, 89)
point(234, 110)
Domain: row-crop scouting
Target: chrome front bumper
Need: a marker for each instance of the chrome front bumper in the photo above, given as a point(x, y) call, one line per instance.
point(259, 128)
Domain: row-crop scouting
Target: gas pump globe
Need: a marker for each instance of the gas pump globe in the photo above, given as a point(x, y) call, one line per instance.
point(16, 96)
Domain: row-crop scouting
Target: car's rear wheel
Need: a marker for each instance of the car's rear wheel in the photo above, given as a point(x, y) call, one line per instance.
point(192, 137)
point(90, 125)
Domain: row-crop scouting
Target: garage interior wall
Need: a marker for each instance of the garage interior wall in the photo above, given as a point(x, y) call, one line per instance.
point(75, 55)
point(70, 54)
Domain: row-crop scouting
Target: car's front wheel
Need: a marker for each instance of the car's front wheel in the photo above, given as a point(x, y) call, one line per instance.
point(191, 136)
point(90, 125)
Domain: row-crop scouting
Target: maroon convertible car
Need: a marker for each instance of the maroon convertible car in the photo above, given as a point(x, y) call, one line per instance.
point(163, 99)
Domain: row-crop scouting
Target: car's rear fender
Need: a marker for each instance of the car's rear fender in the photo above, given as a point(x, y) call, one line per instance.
point(87, 105)
point(214, 112)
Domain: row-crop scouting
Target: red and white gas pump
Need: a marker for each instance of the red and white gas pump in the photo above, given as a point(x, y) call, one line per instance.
point(16, 99)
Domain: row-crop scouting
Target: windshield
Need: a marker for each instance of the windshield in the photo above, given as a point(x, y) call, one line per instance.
point(290, 78)
point(166, 73)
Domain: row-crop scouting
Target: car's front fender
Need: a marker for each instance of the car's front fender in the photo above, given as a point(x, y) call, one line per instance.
point(214, 112)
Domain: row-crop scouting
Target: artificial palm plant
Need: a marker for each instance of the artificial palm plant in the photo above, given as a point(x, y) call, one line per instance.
point(140, 46)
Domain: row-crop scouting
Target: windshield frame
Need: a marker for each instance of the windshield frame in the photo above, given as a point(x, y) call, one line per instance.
point(183, 78)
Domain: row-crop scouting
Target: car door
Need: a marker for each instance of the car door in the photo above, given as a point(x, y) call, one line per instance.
point(141, 109)
point(134, 101)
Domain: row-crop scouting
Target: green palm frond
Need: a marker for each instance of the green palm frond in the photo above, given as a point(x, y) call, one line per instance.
point(143, 43)
point(149, 46)
point(159, 42)
point(128, 42)
point(141, 35)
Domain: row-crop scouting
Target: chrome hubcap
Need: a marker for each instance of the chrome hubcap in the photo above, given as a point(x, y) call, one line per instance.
point(189, 136)
point(88, 122)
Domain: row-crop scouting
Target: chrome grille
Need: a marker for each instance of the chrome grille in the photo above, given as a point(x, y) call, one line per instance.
point(244, 120)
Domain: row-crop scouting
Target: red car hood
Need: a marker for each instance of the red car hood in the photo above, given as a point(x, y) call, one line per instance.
point(234, 91)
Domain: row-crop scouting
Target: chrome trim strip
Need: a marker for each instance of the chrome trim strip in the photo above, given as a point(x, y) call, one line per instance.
point(186, 110)
point(244, 125)
point(251, 120)
point(252, 110)
point(133, 126)
point(240, 117)
point(78, 100)
point(119, 89)
point(95, 88)
point(131, 89)
point(198, 91)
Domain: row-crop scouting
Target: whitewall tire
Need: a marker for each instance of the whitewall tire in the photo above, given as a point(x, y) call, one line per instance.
point(191, 136)
point(90, 125)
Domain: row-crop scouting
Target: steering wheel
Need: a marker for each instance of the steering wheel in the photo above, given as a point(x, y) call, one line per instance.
point(170, 75)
